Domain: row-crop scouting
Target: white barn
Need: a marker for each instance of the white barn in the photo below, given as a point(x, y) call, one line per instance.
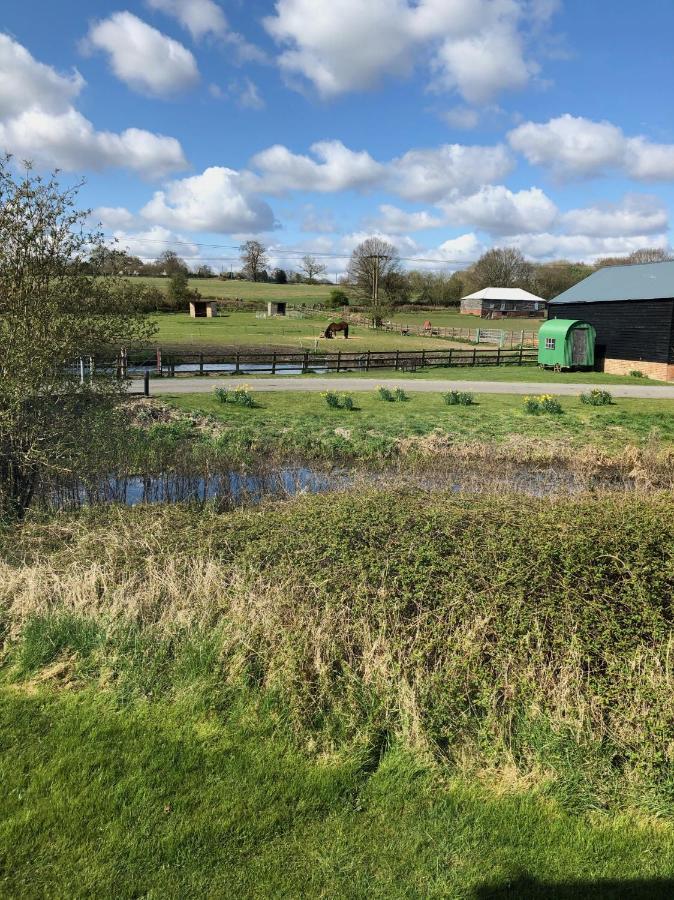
point(500, 303)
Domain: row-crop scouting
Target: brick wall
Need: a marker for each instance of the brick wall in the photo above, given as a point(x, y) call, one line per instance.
point(659, 370)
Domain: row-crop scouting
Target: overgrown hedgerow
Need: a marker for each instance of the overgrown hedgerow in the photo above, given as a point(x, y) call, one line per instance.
point(493, 630)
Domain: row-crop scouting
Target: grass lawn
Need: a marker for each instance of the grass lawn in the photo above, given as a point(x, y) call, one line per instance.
point(452, 318)
point(103, 798)
point(243, 329)
point(487, 373)
point(311, 294)
point(303, 421)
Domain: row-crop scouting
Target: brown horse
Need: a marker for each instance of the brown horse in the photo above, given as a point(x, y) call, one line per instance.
point(334, 327)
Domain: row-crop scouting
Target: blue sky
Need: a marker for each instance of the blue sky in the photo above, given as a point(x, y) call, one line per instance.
point(447, 126)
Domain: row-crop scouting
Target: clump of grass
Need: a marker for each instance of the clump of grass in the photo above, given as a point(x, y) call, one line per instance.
point(543, 403)
point(339, 401)
point(239, 396)
point(458, 398)
point(397, 395)
point(597, 397)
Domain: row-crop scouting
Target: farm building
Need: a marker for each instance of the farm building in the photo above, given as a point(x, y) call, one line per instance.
point(276, 308)
point(632, 311)
point(203, 309)
point(502, 303)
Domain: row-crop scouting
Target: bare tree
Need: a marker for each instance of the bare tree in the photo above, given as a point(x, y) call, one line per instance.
point(645, 255)
point(311, 267)
point(500, 267)
point(373, 264)
point(253, 259)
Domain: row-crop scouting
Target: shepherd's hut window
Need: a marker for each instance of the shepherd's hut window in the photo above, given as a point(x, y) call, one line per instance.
point(550, 343)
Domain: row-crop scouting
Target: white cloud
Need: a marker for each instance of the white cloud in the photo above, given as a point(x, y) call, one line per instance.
point(215, 201)
point(199, 17)
point(398, 221)
point(454, 253)
point(113, 217)
point(437, 174)
point(498, 210)
point(204, 18)
point(152, 242)
point(247, 95)
point(582, 247)
point(476, 47)
point(25, 82)
point(573, 146)
point(461, 117)
point(483, 65)
point(636, 214)
point(337, 169)
point(69, 141)
point(142, 57)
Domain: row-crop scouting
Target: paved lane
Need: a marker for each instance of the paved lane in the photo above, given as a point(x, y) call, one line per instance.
point(196, 385)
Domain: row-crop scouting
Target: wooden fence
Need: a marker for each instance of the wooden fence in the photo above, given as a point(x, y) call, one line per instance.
point(169, 364)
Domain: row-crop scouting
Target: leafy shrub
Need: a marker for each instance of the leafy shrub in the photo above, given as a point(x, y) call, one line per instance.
point(459, 398)
point(637, 373)
point(240, 396)
point(337, 299)
point(392, 396)
point(339, 401)
point(596, 397)
point(543, 403)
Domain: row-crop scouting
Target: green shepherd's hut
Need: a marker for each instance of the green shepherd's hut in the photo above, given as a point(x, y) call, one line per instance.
point(566, 344)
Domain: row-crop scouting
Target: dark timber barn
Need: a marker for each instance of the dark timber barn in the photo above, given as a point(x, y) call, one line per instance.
point(632, 311)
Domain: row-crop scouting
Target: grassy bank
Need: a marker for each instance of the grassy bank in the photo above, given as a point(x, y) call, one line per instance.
point(310, 294)
point(528, 373)
point(202, 802)
point(301, 424)
point(380, 694)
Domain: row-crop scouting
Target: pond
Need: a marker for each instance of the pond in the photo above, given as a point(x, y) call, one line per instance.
point(231, 488)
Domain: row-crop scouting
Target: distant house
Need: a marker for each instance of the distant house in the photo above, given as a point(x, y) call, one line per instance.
point(632, 311)
point(502, 303)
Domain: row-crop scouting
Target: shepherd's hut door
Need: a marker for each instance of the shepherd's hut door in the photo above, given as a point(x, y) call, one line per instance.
point(579, 347)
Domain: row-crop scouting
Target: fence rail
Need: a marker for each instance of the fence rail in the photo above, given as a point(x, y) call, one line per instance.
point(139, 363)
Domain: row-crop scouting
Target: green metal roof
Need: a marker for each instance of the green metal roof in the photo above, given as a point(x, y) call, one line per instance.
point(557, 328)
point(648, 281)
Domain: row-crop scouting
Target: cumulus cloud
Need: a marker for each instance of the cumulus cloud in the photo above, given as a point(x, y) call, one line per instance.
point(148, 244)
point(476, 47)
point(204, 18)
point(142, 57)
point(217, 201)
point(584, 247)
point(334, 168)
point(498, 210)
point(573, 147)
point(47, 129)
point(455, 252)
point(461, 117)
point(636, 214)
point(25, 82)
point(436, 174)
point(398, 221)
point(112, 218)
point(199, 17)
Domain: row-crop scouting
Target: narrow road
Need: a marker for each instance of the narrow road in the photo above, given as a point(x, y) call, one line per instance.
point(196, 385)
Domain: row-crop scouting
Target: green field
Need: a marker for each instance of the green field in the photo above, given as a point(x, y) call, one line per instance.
point(389, 693)
point(302, 424)
point(243, 329)
point(310, 294)
point(452, 318)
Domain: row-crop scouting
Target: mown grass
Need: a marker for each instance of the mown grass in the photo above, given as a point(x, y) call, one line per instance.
point(243, 329)
point(310, 294)
point(513, 373)
point(162, 799)
point(301, 424)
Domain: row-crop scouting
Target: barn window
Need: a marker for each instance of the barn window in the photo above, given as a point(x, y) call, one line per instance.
point(550, 343)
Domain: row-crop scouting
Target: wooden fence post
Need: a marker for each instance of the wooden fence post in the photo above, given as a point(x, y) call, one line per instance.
point(521, 351)
point(367, 362)
point(449, 359)
point(397, 360)
point(305, 362)
point(273, 363)
point(146, 383)
point(423, 358)
point(498, 356)
point(474, 355)
point(339, 359)
point(159, 365)
point(237, 371)
point(201, 363)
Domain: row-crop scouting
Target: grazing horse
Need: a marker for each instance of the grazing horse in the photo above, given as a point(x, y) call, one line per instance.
point(427, 325)
point(334, 327)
